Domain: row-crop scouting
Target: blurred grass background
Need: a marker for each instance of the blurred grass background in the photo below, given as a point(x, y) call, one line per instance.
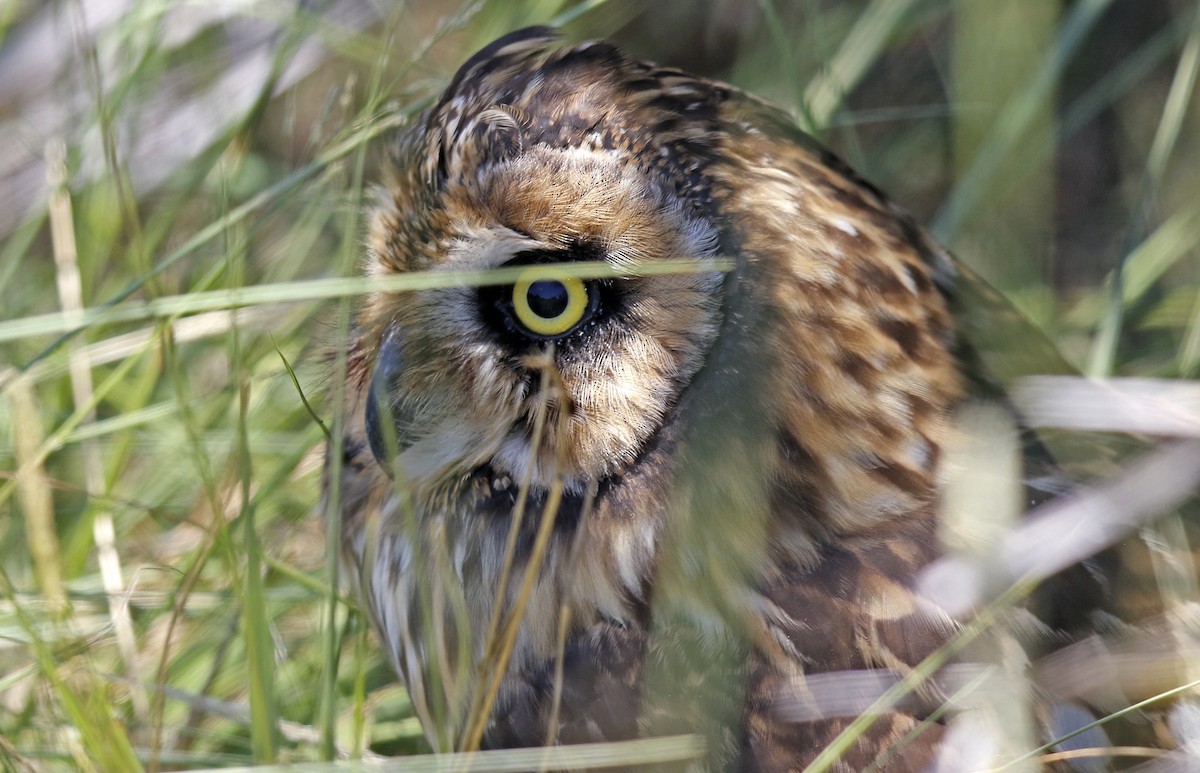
point(164, 600)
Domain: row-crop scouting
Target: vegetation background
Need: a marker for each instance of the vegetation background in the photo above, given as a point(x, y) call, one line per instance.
point(180, 195)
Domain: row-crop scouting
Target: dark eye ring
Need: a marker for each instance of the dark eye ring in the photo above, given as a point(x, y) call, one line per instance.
point(549, 306)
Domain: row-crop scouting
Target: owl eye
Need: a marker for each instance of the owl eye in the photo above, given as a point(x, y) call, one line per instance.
point(550, 307)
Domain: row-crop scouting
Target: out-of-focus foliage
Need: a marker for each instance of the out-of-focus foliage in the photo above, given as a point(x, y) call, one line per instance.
point(164, 599)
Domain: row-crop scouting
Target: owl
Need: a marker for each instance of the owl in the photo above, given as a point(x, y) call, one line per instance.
point(657, 443)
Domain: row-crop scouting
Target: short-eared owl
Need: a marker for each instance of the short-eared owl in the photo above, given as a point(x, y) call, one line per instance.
point(681, 453)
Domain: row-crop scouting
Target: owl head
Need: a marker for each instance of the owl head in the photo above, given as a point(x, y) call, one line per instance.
point(828, 347)
point(534, 159)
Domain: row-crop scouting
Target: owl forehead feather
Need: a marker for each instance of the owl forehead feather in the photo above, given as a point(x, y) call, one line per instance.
point(526, 90)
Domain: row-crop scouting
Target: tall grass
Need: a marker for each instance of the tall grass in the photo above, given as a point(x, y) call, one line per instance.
point(181, 196)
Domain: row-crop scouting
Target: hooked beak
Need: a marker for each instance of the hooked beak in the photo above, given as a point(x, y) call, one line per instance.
point(385, 426)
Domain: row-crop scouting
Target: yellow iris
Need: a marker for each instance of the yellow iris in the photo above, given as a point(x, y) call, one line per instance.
point(548, 306)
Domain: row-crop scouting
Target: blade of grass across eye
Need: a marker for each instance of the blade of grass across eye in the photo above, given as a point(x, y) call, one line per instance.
point(374, 127)
point(324, 289)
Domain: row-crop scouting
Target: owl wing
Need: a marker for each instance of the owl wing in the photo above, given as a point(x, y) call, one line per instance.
point(844, 612)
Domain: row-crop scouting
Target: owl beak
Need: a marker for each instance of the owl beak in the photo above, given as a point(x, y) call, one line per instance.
point(384, 432)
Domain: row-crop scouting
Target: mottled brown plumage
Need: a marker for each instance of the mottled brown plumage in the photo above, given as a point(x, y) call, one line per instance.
point(774, 430)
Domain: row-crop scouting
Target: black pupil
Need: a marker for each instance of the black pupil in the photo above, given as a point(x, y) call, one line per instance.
point(547, 298)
